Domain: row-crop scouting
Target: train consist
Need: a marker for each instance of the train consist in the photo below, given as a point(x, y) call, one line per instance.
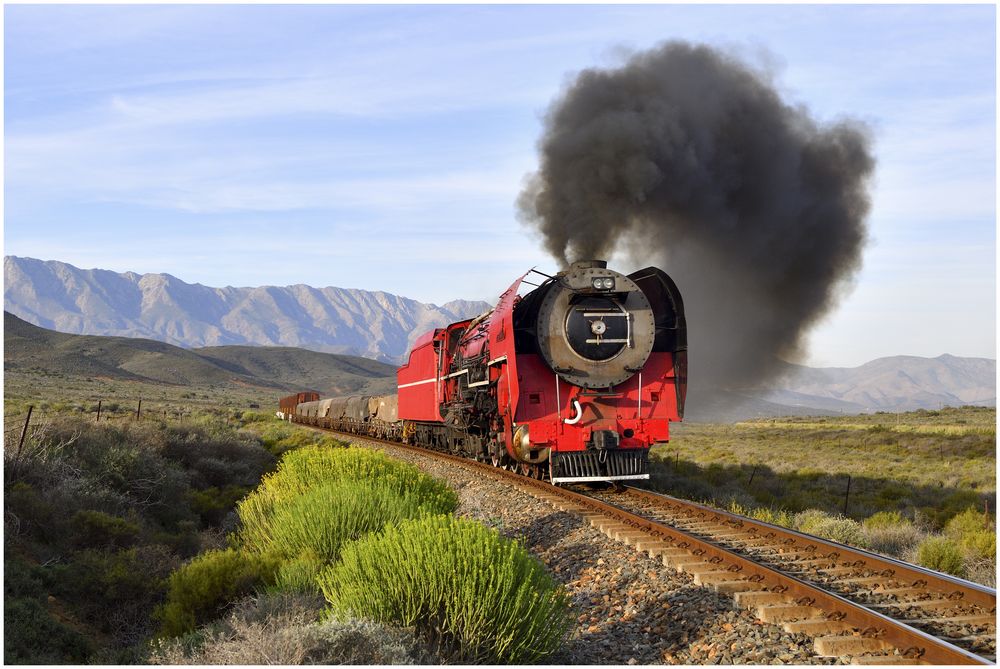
point(572, 381)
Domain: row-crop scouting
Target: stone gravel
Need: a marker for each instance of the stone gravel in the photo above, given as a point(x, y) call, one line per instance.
point(629, 608)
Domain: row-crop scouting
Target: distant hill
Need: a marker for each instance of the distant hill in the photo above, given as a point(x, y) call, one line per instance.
point(376, 325)
point(27, 347)
point(896, 383)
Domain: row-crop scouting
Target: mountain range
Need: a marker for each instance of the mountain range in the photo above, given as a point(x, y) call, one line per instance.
point(259, 334)
point(373, 324)
point(894, 383)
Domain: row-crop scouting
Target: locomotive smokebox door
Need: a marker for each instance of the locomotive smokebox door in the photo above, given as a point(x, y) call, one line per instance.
point(595, 326)
point(604, 439)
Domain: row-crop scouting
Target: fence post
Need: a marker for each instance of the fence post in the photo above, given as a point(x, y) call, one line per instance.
point(138, 409)
point(20, 442)
point(847, 495)
point(24, 430)
point(98, 419)
point(752, 474)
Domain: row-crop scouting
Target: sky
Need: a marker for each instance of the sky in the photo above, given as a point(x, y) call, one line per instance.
point(383, 147)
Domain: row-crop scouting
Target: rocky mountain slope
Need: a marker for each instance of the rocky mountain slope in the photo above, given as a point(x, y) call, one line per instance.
point(375, 325)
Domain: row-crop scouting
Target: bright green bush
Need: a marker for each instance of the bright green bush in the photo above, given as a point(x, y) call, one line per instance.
point(764, 514)
point(884, 519)
point(941, 554)
point(807, 521)
point(978, 545)
point(319, 522)
point(969, 521)
point(302, 470)
point(773, 516)
point(475, 595)
point(203, 588)
point(299, 575)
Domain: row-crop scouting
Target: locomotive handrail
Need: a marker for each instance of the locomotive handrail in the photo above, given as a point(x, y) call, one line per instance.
point(579, 414)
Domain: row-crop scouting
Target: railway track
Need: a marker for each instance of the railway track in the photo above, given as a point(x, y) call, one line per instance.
point(855, 604)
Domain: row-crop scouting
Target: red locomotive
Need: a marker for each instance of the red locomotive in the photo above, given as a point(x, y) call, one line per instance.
point(571, 382)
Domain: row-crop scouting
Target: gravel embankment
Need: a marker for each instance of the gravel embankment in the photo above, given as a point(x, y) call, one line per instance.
point(630, 609)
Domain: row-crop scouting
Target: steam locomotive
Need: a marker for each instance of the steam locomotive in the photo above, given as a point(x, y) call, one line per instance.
point(572, 381)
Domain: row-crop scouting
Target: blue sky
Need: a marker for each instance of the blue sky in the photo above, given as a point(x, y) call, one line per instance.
point(383, 147)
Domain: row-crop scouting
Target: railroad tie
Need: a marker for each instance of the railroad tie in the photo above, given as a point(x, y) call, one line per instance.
point(987, 619)
point(753, 599)
point(886, 659)
point(662, 553)
point(824, 627)
point(734, 587)
point(682, 563)
point(930, 604)
point(783, 613)
point(841, 646)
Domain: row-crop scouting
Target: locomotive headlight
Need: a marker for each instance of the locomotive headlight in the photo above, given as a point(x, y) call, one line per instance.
point(606, 283)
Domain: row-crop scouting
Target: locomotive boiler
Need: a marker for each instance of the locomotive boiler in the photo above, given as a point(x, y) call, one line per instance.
point(572, 381)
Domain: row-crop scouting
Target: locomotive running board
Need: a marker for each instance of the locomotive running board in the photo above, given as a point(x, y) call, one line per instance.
point(591, 479)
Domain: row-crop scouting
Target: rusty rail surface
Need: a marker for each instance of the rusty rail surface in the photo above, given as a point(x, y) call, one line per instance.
point(912, 643)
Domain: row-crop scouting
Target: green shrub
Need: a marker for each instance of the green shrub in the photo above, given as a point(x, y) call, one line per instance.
point(213, 504)
point(111, 593)
point(969, 521)
point(884, 519)
point(764, 514)
point(96, 529)
point(807, 521)
point(835, 528)
point(33, 636)
point(941, 554)
point(204, 587)
point(317, 523)
point(302, 470)
point(978, 545)
point(477, 596)
point(773, 516)
point(299, 575)
point(890, 533)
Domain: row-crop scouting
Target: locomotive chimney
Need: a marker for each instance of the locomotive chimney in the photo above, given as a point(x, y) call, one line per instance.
point(589, 264)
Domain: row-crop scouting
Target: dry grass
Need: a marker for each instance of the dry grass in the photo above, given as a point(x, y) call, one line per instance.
point(285, 629)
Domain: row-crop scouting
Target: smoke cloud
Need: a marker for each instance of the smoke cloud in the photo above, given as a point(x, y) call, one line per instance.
point(689, 159)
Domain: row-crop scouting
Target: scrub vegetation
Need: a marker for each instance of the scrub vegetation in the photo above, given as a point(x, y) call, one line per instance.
point(375, 536)
point(919, 486)
point(97, 516)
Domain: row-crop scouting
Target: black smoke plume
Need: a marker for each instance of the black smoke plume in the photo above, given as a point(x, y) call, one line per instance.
point(689, 159)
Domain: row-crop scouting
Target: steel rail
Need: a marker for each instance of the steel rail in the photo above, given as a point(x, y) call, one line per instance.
point(911, 642)
point(944, 584)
